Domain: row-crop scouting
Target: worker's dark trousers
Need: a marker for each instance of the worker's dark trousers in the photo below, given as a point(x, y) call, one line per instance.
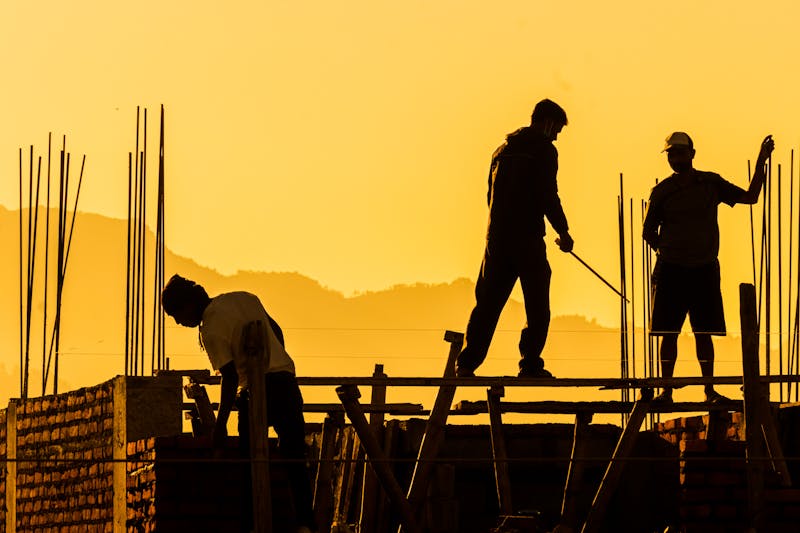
point(504, 263)
point(285, 414)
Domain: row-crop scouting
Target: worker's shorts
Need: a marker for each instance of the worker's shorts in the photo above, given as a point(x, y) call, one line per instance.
point(679, 290)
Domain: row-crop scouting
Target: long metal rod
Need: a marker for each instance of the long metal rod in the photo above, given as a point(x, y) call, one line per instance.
point(780, 284)
point(601, 278)
point(32, 270)
point(21, 300)
point(142, 241)
point(633, 299)
point(768, 278)
point(752, 230)
point(61, 253)
point(796, 369)
point(46, 264)
point(128, 271)
point(790, 337)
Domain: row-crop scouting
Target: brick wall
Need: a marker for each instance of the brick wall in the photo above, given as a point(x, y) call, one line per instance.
point(3, 469)
point(64, 468)
point(713, 475)
point(67, 449)
point(695, 427)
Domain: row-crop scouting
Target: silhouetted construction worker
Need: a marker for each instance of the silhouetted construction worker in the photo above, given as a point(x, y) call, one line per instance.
point(522, 192)
point(222, 321)
point(681, 225)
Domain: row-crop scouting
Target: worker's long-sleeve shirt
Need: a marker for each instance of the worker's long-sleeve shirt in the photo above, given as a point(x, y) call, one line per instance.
point(523, 188)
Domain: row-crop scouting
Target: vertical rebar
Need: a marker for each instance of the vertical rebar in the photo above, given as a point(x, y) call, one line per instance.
point(625, 393)
point(46, 264)
point(780, 286)
point(633, 294)
point(790, 336)
point(128, 272)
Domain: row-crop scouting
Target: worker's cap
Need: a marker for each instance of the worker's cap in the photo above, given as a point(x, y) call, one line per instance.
point(678, 139)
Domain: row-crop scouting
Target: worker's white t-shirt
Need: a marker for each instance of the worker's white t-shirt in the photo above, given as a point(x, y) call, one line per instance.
point(221, 331)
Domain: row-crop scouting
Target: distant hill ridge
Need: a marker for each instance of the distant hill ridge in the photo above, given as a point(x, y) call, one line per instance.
point(327, 333)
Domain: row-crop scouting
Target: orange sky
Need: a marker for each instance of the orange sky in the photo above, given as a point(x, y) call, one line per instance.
point(350, 141)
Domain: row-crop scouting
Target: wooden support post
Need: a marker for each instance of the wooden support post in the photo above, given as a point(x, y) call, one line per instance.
point(574, 484)
point(754, 442)
point(499, 456)
point(370, 489)
point(594, 522)
point(434, 429)
point(390, 437)
point(348, 442)
point(348, 486)
point(205, 412)
point(349, 395)
point(119, 453)
point(323, 489)
point(11, 470)
point(255, 343)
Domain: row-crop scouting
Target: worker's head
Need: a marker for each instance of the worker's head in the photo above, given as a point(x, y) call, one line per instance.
point(184, 300)
point(680, 151)
point(549, 118)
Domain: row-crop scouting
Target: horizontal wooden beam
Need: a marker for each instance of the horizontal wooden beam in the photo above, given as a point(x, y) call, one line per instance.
point(508, 381)
point(566, 408)
point(390, 408)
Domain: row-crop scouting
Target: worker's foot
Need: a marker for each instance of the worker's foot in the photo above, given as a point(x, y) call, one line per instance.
point(715, 397)
point(539, 373)
point(463, 372)
point(664, 397)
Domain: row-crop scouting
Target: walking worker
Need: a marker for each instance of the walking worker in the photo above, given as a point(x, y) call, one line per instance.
point(222, 321)
point(522, 192)
point(681, 225)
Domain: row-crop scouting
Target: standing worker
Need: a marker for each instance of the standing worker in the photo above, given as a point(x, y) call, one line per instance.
point(222, 321)
point(681, 225)
point(522, 191)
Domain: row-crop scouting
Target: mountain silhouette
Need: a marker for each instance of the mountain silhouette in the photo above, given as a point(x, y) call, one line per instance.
point(327, 333)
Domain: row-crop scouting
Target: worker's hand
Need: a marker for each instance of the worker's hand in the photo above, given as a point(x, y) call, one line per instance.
point(767, 146)
point(565, 242)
